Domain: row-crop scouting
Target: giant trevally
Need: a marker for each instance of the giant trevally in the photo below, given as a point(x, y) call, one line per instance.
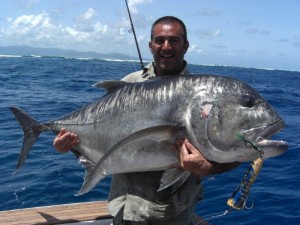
point(132, 127)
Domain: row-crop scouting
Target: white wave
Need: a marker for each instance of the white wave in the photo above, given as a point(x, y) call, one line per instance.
point(10, 56)
point(123, 60)
point(34, 56)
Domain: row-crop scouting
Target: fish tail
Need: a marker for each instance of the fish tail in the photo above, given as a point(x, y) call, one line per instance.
point(31, 128)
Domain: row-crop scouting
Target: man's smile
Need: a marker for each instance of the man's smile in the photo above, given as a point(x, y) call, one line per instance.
point(167, 55)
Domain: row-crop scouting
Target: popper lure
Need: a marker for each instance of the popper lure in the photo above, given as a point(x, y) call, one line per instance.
point(239, 197)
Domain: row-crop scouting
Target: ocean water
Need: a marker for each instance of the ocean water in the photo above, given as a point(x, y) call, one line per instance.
point(49, 87)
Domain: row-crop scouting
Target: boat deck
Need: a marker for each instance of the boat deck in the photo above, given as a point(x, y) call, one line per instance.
point(58, 214)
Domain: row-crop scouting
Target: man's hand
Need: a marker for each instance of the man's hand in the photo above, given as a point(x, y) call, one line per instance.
point(191, 159)
point(65, 140)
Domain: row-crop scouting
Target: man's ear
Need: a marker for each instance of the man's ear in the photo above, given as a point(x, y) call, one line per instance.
point(150, 47)
point(186, 46)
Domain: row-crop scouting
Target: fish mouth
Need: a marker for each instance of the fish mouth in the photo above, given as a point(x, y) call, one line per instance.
point(272, 129)
point(262, 140)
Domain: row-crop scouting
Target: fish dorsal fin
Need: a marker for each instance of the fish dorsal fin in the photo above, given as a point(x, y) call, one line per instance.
point(110, 85)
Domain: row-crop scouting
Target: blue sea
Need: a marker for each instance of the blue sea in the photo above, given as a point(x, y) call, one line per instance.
point(49, 87)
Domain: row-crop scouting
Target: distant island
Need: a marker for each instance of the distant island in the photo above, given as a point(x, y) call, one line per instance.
point(32, 51)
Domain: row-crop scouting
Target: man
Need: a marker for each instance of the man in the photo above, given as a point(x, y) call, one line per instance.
point(133, 197)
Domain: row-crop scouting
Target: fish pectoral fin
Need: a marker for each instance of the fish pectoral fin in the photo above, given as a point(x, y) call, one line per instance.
point(158, 133)
point(174, 177)
point(96, 173)
point(110, 85)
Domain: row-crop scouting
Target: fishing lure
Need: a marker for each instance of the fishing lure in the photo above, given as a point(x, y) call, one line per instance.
point(239, 197)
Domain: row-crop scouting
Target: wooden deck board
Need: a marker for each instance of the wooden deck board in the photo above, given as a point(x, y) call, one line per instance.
point(57, 214)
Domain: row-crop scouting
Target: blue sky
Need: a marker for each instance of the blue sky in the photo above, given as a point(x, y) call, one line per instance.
point(253, 33)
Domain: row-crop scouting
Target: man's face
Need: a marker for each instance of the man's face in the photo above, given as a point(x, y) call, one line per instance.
point(168, 48)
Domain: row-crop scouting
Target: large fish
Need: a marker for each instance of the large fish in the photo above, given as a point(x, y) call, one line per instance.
point(132, 127)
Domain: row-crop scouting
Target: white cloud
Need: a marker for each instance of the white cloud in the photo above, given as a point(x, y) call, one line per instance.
point(207, 13)
point(85, 33)
point(29, 4)
point(99, 28)
point(230, 54)
point(297, 41)
point(193, 48)
point(283, 40)
point(244, 23)
point(139, 19)
point(87, 15)
point(208, 33)
point(255, 31)
point(30, 21)
point(252, 31)
point(132, 4)
point(141, 37)
point(265, 32)
point(28, 26)
point(41, 31)
point(84, 21)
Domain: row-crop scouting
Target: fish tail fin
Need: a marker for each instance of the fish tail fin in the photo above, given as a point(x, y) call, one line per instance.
point(31, 128)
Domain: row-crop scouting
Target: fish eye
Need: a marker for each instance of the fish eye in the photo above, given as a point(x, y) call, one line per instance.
point(247, 101)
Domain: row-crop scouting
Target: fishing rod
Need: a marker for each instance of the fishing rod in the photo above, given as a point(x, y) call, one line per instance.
point(133, 31)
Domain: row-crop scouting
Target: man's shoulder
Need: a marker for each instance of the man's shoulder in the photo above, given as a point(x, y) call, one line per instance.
point(134, 77)
point(141, 75)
